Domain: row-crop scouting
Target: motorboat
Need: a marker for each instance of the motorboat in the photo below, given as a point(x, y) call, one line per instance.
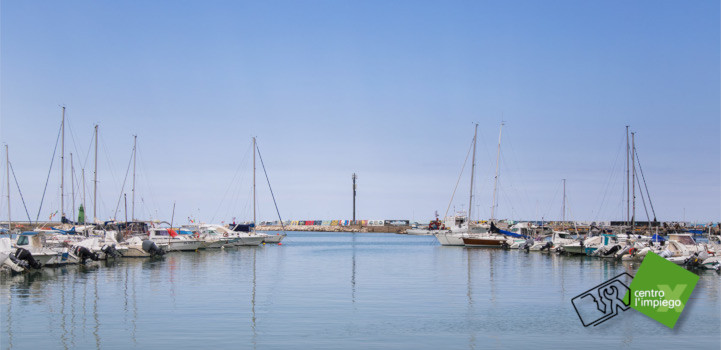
point(174, 241)
point(137, 247)
point(212, 237)
point(34, 242)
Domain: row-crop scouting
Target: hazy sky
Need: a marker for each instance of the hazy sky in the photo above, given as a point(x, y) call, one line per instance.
point(388, 90)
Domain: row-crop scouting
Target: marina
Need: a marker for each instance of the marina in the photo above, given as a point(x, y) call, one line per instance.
point(371, 290)
point(360, 175)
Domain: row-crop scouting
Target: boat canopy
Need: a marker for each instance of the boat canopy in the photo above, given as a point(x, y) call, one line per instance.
point(495, 229)
point(65, 232)
point(657, 238)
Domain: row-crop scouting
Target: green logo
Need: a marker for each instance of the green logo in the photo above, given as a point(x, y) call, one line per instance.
point(661, 289)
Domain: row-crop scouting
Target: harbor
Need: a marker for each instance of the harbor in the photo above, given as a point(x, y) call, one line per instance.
point(360, 175)
point(372, 291)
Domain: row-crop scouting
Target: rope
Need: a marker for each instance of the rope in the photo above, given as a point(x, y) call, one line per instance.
point(130, 161)
point(643, 200)
point(608, 183)
point(459, 179)
point(20, 192)
point(57, 140)
point(644, 185)
point(270, 188)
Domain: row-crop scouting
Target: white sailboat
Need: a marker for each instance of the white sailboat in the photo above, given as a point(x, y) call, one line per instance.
point(253, 237)
point(488, 238)
point(457, 233)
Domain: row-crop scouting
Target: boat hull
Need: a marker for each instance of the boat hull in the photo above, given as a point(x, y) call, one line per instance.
point(489, 242)
point(273, 238)
point(184, 246)
point(249, 241)
point(450, 239)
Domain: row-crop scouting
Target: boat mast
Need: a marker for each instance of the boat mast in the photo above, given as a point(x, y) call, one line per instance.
point(628, 195)
point(84, 206)
point(563, 206)
point(7, 169)
point(495, 181)
point(132, 216)
point(62, 170)
point(95, 178)
point(473, 169)
point(72, 185)
point(253, 183)
point(633, 178)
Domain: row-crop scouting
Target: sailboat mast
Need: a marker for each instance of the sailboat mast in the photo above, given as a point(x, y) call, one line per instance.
point(85, 208)
point(7, 169)
point(628, 195)
point(95, 178)
point(563, 206)
point(135, 143)
point(495, 181)
point(72, 185)
point(633, 178)
point(62, 170)
point(253, 183)
point(473, 169)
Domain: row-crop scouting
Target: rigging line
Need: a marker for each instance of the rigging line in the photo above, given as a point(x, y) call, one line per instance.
point(230, 185)
point(20, 192)
point(235, 194)
point(282, 226)
point(52, 160)
point(122, 189)
point(644, 185)
point(608, 182)
point(511, 187)
point(72, 135)
point(145, 181)
point(523, 191)
point(643, 199)
point(553, 199)
point(459, 178)
point(90, 146)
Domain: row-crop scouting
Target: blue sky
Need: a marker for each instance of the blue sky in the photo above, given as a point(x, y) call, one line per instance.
point(388, 90)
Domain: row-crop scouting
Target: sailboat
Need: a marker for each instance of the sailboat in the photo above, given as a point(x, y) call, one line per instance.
point(460, 229)
point(247, 234)
point(491, 238)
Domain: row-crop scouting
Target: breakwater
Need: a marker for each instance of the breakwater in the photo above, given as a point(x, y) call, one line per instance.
point(350, 228)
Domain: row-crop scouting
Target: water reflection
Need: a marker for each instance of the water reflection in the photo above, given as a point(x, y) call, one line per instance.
point(252, 304)
point(352, 278)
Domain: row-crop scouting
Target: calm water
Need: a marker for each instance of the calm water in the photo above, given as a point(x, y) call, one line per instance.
point(335, 290)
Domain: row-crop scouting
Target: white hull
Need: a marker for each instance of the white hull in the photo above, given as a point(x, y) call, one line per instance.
point(214, 244)
point(450, 239)
point(249, 241)
point(421, 232)
point(183, 246)
point(273, 238)
point(135, 252)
